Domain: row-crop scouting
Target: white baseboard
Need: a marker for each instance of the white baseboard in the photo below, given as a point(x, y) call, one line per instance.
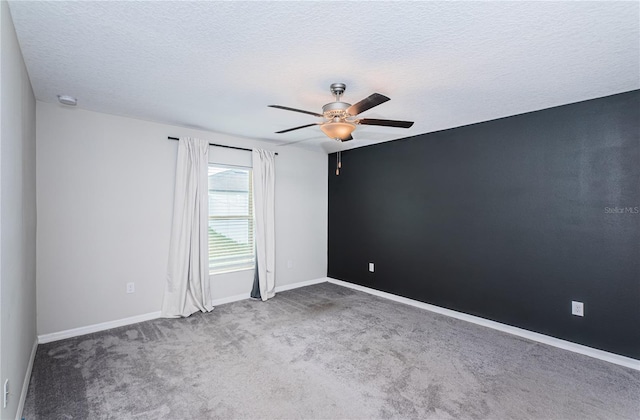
point(301, 284)
point(279, 289)
point(541, 338)
point(74, 332)
point(27, 378)
point(229, 299)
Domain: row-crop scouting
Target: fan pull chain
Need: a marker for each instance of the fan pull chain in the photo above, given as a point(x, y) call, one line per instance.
point(338, 162)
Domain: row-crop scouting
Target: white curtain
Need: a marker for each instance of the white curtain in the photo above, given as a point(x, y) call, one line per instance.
point(264, 203)
point(187, 286)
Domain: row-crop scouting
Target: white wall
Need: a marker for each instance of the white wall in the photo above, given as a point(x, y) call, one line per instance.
point(17, 216)
point(105, 191)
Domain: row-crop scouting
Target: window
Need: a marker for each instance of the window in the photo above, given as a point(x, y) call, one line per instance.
point(231, 246)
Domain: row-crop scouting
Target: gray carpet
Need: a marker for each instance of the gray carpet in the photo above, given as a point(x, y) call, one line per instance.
point(322, 351)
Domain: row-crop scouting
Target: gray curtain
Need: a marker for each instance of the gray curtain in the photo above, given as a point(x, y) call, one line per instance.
point(255, 292)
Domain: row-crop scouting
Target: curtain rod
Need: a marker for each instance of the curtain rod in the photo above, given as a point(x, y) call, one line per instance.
point(220, 145)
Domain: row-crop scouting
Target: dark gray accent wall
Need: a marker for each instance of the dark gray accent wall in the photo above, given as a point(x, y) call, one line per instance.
point(509, 220)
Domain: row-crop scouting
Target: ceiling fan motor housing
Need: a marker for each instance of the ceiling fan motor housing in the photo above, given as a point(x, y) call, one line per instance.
point(335, 109)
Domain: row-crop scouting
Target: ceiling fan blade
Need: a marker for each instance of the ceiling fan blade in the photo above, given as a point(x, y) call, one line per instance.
point(286, 108)
point(385, 123)
point(295, 128)
point(367, 103)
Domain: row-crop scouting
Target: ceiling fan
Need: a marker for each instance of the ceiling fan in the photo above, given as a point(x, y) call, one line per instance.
point(341, 118)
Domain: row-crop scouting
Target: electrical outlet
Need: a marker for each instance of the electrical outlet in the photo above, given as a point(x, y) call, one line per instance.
point(371, 267)
point(131, 287)
point(289, 264)
point(577, 308)
point(5, 394)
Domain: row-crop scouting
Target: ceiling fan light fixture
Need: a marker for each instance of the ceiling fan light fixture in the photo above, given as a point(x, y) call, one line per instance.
point(338, 130)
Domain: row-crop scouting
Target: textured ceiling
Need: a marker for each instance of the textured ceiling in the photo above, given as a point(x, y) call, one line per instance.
point(217, 65)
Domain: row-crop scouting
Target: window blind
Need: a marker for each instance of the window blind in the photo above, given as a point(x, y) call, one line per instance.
point(231, 224)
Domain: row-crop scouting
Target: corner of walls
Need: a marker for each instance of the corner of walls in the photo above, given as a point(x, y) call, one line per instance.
point(17, 219)
point(27, 378)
